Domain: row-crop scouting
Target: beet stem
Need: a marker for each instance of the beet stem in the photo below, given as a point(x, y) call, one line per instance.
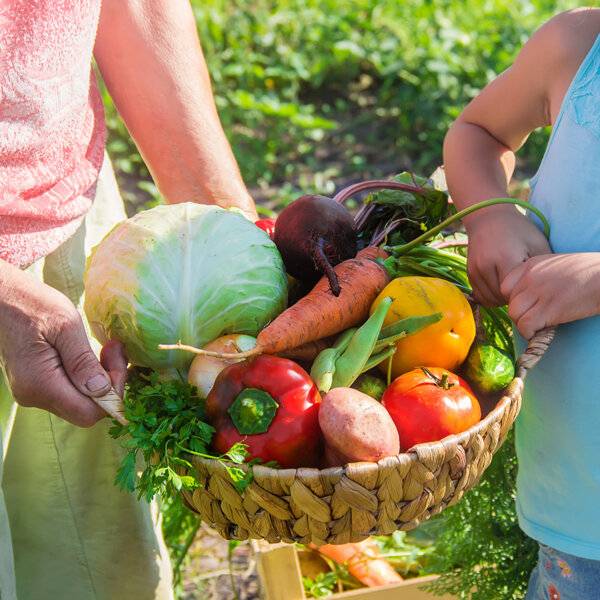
point(344, 194)
point(323, 265)
point(363, 215)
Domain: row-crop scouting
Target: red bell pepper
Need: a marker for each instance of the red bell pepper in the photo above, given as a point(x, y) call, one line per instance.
point(270, 404)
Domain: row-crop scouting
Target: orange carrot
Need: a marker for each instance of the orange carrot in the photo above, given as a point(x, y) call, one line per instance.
point(307, 352)
point(363, 560)
point(319, 314)
point(373, 252)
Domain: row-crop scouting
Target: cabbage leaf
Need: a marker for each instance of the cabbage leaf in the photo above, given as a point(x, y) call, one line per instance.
point(184, 272)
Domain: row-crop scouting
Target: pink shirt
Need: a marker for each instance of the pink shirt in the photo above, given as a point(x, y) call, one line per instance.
point(52, 130)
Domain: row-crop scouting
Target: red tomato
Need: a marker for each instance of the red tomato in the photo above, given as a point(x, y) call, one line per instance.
point(429, 403)
point(267, 225)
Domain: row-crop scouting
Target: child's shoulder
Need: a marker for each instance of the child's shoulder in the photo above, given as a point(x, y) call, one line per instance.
point(571, 34)
point(556, 50)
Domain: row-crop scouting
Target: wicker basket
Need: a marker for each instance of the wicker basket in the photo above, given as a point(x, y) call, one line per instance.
point(346, 504)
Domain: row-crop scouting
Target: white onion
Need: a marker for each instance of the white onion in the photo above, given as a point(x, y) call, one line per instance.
point(204, 369)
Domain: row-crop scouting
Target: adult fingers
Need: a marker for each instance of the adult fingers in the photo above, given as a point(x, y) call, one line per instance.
point(48, 387)
point(114, 361)
point(79, 361)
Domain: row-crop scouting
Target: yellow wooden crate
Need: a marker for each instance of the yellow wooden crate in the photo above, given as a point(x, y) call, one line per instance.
point(281, 579)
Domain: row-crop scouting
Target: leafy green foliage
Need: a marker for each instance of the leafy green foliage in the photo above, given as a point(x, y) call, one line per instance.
point(179, 527)
point(408, 551)
point(312, 91)
point(166, 422)
point(398, 216)
point(481, 553)
point(409, 66)
point(322, 585)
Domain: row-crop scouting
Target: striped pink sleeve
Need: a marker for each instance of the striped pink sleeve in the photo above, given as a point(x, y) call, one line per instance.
point(52, 131)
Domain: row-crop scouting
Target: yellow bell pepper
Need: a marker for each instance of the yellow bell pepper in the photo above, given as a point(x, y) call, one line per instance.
point(443, 344)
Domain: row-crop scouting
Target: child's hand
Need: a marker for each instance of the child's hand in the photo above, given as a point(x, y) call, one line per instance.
point(552, 289)
point(499, 241)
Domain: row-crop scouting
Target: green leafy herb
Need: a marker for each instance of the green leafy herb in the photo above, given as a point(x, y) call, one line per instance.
point(481, 553)
point(166, 423)
point(322, 585)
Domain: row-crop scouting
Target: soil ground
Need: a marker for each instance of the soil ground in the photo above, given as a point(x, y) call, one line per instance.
point(211, 575)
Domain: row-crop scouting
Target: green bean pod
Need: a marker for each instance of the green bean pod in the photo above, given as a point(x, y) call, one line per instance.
point(378, 357)
point(403, 328)
point(323, 367)
point(351, 362)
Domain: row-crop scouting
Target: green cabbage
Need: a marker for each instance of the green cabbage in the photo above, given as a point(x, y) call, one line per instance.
point(185, 272)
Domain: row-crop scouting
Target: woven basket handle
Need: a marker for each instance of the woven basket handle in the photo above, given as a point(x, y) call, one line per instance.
point(113, 405)
point(536, 348)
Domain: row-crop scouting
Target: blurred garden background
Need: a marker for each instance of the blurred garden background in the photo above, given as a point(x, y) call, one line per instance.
point(316, 94)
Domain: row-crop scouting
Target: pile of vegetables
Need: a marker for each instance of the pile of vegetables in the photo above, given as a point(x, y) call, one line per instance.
point(379, 348)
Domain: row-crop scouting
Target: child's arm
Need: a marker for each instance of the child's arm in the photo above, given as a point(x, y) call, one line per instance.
point(479, 150)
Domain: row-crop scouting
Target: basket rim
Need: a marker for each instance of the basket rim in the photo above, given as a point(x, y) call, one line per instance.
point(411, 455)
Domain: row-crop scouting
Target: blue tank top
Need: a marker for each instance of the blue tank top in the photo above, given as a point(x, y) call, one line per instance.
point(558, 428)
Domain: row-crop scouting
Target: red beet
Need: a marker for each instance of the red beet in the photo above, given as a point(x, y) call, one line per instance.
point(313, 234)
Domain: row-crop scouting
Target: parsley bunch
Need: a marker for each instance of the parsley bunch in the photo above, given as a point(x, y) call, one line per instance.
point(166, 422)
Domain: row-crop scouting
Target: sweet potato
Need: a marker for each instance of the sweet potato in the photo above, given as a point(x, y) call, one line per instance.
point(356, 427)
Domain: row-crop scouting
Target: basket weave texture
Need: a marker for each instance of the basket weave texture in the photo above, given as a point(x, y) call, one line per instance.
point(346, 504)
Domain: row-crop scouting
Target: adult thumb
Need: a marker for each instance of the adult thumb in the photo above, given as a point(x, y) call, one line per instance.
point(80, 363)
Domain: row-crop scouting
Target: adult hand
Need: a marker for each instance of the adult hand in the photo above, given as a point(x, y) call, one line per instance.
point(499, 241)
point(45, 354)
point(114, 362)
point(553, 289)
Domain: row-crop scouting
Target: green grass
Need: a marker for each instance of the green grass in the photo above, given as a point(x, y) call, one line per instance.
point(313, 92)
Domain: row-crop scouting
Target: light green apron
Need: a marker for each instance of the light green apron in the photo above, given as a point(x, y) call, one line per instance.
point(75, 536)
